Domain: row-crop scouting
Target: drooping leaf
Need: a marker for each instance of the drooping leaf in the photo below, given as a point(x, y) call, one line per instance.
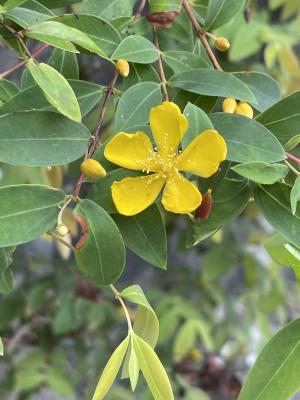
point(63, 36)
point(111, 371)
point(247, 140)
point(211, 82)
point(265, 88)
point(152, 369)
point(100, 31)
point(283, 118)
point(145, 235)
point(274, 203)
point(136, 49)
point(272, 377)
point(261, 172)
point(32, 212)
point(101, 253)
point(135, 104)
point(65, 62)
point(56, 89)
point(284, 253)
point(221, 11)
point(133, 368)
point(229, 199)
point(295, 195)
point(88, 94)
point(146, 324)
point(198, 122)
point(40, 138)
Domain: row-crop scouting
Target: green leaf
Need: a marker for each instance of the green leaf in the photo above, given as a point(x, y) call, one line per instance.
point(13, 3)
point(7, 90)
point(63, 36)
point(283, 118)
point(146, 324)
point(133, 368)
point(101, 257)
point(284, 253)
point(198, 122)
point(111, 370)
point(180, 61)
point(88, 95)
point(212, 83)
point(219, 12)
point(261, 172)
point(33, 212)
point(56, 89)
point(229, 199)
point(162, 6)
point(65, 62)
point(152, 369)
point(107, 9)
point(6, 275)
point(136, 49)
point(265, 88)
point(103, 34)
point(1, 347)
point(292, 143)
point(274, 203)
point(247, 140)
point(40, 138)
point(145, 235)
point(135, 104)
point(272, 377)
point(295, 195)
point(31, 13)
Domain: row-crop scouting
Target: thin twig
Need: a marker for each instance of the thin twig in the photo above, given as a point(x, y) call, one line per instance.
point(296, 172)
point(118, 296)
point(140, 9)
point(59, 239)
point(293, 158)
point(201, 34)
point(18, 36)
point(160, 66)
point(20, 64)
point(95, 139)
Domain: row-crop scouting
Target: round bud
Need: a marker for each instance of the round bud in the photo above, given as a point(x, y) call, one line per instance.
point(163, 19)
point(204, 210)
point(244, 109)
point(62, 230)
point(122, 67)
point(222, 43)
point(229, 105)
point(92, 169)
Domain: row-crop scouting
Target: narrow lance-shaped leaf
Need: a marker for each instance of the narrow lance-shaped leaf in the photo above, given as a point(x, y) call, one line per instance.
point(274, 374)
point(6, 275)
point(100, 253)
point(152, 369)
point(295, 195)
point(56, 89)
point(32, 212)
point(111, 370)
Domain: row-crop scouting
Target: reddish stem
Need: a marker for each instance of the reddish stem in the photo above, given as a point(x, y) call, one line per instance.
point(293, 158)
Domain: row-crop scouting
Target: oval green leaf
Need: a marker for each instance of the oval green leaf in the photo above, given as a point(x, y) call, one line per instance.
point(40, 138)
point(261, 172)
point(136, 49)
point(33, 212)
point(56, 89)
point(101, 257)
point(219, 12)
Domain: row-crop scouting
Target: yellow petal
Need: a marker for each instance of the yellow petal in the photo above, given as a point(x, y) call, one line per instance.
point(204, 154)
point(168, 127)
point(130, 150)
point(180, 196)
point(133, 195)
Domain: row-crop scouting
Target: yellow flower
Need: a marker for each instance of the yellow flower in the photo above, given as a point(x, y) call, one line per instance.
point(201, 157)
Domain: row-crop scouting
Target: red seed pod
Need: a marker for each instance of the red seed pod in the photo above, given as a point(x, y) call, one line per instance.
point(204, 210)
point(162, 19)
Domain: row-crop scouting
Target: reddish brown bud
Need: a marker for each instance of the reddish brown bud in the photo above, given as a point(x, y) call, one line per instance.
point(162, 19)
point(84, 231)
point(204, 210)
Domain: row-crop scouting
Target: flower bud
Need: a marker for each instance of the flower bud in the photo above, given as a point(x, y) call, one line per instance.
point(62, 230)
point(122, 67)
point(203, 211)
point(162, 19)
point(244, 109)
point(92, 169)
point(222, 43)
point(229, 105)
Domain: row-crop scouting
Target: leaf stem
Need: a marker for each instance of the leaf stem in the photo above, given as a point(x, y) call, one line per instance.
point(95, 138)
point(293, 158)
point(119, 297)
point(18, 36)
point(292, 168)
point(140, 9)
point(160, 66)
point(201, 34)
